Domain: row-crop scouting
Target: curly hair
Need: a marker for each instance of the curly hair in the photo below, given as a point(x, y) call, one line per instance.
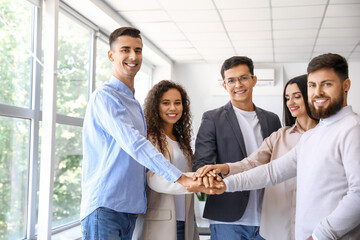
point(182, 128)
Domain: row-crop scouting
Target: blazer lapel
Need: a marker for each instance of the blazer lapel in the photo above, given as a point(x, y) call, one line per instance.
point(230, 115)
point(262, 121)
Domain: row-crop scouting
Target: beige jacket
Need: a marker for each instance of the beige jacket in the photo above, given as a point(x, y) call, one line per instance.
point(159, 222)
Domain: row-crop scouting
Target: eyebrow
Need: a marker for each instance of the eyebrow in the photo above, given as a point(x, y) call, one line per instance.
point(292, 93)
point(127, 47)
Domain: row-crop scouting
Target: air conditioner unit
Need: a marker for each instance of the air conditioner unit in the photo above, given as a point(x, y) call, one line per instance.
point(265, 76)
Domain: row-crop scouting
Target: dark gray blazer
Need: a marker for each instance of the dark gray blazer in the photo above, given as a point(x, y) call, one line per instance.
point(220, 140)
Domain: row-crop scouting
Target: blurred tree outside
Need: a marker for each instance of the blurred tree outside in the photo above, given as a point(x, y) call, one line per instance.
point(15, 45)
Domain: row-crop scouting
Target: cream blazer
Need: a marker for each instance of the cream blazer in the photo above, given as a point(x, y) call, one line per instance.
point(159, 221)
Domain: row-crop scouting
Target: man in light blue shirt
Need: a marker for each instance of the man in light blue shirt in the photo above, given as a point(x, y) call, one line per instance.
point(115, 148)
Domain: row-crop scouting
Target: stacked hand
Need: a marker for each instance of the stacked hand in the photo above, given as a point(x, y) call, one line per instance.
point(207, 180)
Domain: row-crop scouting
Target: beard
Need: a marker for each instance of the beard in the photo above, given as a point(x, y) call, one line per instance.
point(322, 112)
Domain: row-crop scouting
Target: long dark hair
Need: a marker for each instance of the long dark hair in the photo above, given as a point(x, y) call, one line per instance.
point(182, 128)
point(301, 82)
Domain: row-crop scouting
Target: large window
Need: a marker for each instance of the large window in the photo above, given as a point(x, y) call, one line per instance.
point(21, 68)
point(15, 75)
point(73, 67)
point(14, 135)
point(15, 49)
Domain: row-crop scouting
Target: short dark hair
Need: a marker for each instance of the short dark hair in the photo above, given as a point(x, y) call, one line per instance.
point(301, 82)
point(235, 61)
point(124, 31)
point(332, 61)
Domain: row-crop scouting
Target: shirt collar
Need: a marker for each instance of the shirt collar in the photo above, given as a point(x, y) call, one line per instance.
point(296, 128)
point(120, 86)
point(337, 116)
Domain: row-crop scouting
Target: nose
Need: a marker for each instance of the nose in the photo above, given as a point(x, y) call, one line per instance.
point(172, 106)
point(318, 91)
point(132, 55)
point(290, 102)
point(238, 82)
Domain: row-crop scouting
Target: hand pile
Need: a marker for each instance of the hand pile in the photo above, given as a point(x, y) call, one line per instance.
point(207, 180)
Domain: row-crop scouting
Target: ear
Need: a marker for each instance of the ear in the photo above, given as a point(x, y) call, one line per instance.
point(346, 85)
point(224, 85)
point(110, 53)
point(254, 80)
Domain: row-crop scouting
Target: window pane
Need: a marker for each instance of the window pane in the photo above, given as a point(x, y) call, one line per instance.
point(73, 67)
point(15, 48)
point(14, 135)
point(67, 185)
point(103, 65)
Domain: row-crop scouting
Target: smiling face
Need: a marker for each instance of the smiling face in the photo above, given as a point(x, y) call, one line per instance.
point(326, 92)
point(126, 55)
point(171, 107)
point(295, 101)
point(241, 92)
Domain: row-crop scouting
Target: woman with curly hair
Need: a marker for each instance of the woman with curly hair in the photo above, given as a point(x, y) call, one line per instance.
point(170, 211)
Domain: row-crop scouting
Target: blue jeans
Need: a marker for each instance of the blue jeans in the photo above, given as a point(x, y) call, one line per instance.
point(234, 232)
point(107, 224)
point(180, 230)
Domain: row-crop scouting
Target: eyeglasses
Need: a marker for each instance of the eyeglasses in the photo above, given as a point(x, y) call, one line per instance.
point(242, 79)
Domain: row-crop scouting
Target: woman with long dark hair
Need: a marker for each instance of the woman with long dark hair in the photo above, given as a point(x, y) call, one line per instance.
point(170, 210)
point(278, 210)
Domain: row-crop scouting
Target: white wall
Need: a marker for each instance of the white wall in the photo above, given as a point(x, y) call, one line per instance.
point(201, 82)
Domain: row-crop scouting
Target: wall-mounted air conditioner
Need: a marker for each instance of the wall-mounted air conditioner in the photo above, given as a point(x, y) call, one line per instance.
point(265, 76)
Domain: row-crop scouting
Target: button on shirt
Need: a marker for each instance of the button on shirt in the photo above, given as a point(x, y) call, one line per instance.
point(116, 152)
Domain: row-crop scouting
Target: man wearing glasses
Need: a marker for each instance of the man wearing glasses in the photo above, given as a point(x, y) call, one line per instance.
point(229, 134)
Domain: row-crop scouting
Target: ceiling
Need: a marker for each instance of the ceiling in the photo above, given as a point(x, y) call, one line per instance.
point(264, 30)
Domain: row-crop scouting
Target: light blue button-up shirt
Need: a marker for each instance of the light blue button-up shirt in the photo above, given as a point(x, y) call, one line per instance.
point(116, 152)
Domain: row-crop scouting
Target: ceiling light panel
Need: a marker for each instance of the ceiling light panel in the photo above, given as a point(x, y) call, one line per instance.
point(181, 51)
point(146, 16)
point(195, 16)
point(204, 36)
point(186, 4)
point(164, 36)
point(231, 4)
point(249, 51)
point(263, 35)
point(174, 44)
point(289, 24)
point(248, 26)
point(286, 57)
point(293, 42)
point(201, 27)
point(339, 32)
point(288, 34)
point(343, 22)
point(123, 5)
point(245, 14)
point(298, 12)
point(346, 10)
point(334, 48)
point(253, 43)
point(297, 49)
point(212, 44)
point(337, 40)
point(161, 27)
point(287, 3)
point(216, 51)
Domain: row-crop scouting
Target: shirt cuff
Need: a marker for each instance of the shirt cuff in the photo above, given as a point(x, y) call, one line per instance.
point(226, 184)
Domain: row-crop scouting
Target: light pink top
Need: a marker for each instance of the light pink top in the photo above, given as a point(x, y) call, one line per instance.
point(278, 209)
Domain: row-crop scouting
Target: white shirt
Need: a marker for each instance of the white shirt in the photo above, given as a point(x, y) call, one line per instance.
point(327, 164)
point(179, 162)
point(251, 131)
